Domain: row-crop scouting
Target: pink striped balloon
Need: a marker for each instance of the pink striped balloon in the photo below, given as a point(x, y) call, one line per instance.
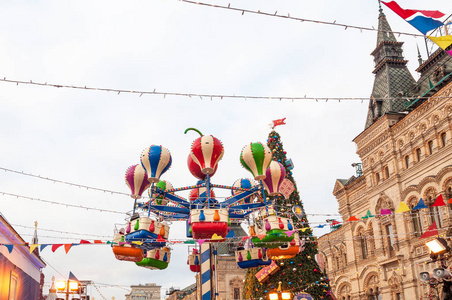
point(206, 152)
point(137, 180)
point(274, 177)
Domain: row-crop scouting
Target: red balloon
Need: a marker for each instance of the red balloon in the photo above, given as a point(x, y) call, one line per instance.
point(207, 151)
point(195, 170)
point(194, 193)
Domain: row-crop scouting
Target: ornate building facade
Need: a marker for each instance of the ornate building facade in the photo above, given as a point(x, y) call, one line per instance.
point(148, 291)
point(406, 154)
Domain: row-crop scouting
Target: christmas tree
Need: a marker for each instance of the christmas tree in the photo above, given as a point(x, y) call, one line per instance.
point(300, 273)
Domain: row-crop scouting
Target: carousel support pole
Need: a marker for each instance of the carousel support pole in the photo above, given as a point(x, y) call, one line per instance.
point(208, 189)
point(206, 272)
point(152, 195)
point(265, 197)
point(217, 294)
point(134, 205)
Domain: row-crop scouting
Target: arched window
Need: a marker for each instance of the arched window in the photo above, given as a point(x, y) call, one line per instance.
point(434, 212)
point(443, 139)
point(362, 243)
point(386, 172)
point(430, 147)
point(407, 161)
point(418, 154)
point(370, 239)
point(415, 216)
point(377, 178)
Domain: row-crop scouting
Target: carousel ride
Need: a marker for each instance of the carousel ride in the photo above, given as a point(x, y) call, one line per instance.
point(143, 239)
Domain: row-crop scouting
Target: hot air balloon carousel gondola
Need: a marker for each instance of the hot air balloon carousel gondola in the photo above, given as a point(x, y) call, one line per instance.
point(286, 251)
point(252, 257)
point(124, 251)
point(194, 261)
point(156, 259)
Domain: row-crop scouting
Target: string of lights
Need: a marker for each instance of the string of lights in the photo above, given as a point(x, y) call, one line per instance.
point(64, 182)
point(289, 17)
point(204, 96)
point(97, 289)
point(62, 204)
point(48, 264)
point(306, 238)
point(52, 237)
point(58, 231)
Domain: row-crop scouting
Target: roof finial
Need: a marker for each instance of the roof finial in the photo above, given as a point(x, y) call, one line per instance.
point(379, 8)
point(35, 235)
point(419, 57)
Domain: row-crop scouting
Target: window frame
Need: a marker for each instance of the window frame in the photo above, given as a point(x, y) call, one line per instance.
point(407, 161)
point(443, 138)
point(430, 147)
point(418, 154)
point(13, 279)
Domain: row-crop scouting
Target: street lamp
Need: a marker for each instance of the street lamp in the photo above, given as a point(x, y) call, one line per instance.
point(70, 286)
point(437, 247)
point(280, 295)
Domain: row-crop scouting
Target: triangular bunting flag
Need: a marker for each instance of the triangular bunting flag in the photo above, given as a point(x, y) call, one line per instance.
point(10, 247)
point(352, 218)
point(442, 41)
point(291, 232)
point(320, 226)
point(33, 247)
point(56, 246)
point(439, 201)
point(230, 234)
point(420, 205)
point(72, 277)
point(368, 215)
point(431, 231)
point(385, 211)
point(200, 242)
point(261, 236)
point(189, 242)
point(85, 242)
point(402, 208)
point(43, 246)
point(67, 247)
point(450, 201)
point(99, 242)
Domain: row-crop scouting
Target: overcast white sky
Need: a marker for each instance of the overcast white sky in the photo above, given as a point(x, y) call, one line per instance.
point(91, 138)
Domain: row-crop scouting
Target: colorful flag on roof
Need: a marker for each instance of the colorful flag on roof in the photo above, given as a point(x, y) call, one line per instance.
point(422, 20)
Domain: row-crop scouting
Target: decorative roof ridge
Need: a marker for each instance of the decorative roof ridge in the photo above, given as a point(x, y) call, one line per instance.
point(435, 55)
point(386, 60)
point(386, 42)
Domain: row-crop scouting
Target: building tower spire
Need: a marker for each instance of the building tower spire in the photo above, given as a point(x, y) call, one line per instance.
point(419, 57)
point(392, 77)
point(35, 235)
